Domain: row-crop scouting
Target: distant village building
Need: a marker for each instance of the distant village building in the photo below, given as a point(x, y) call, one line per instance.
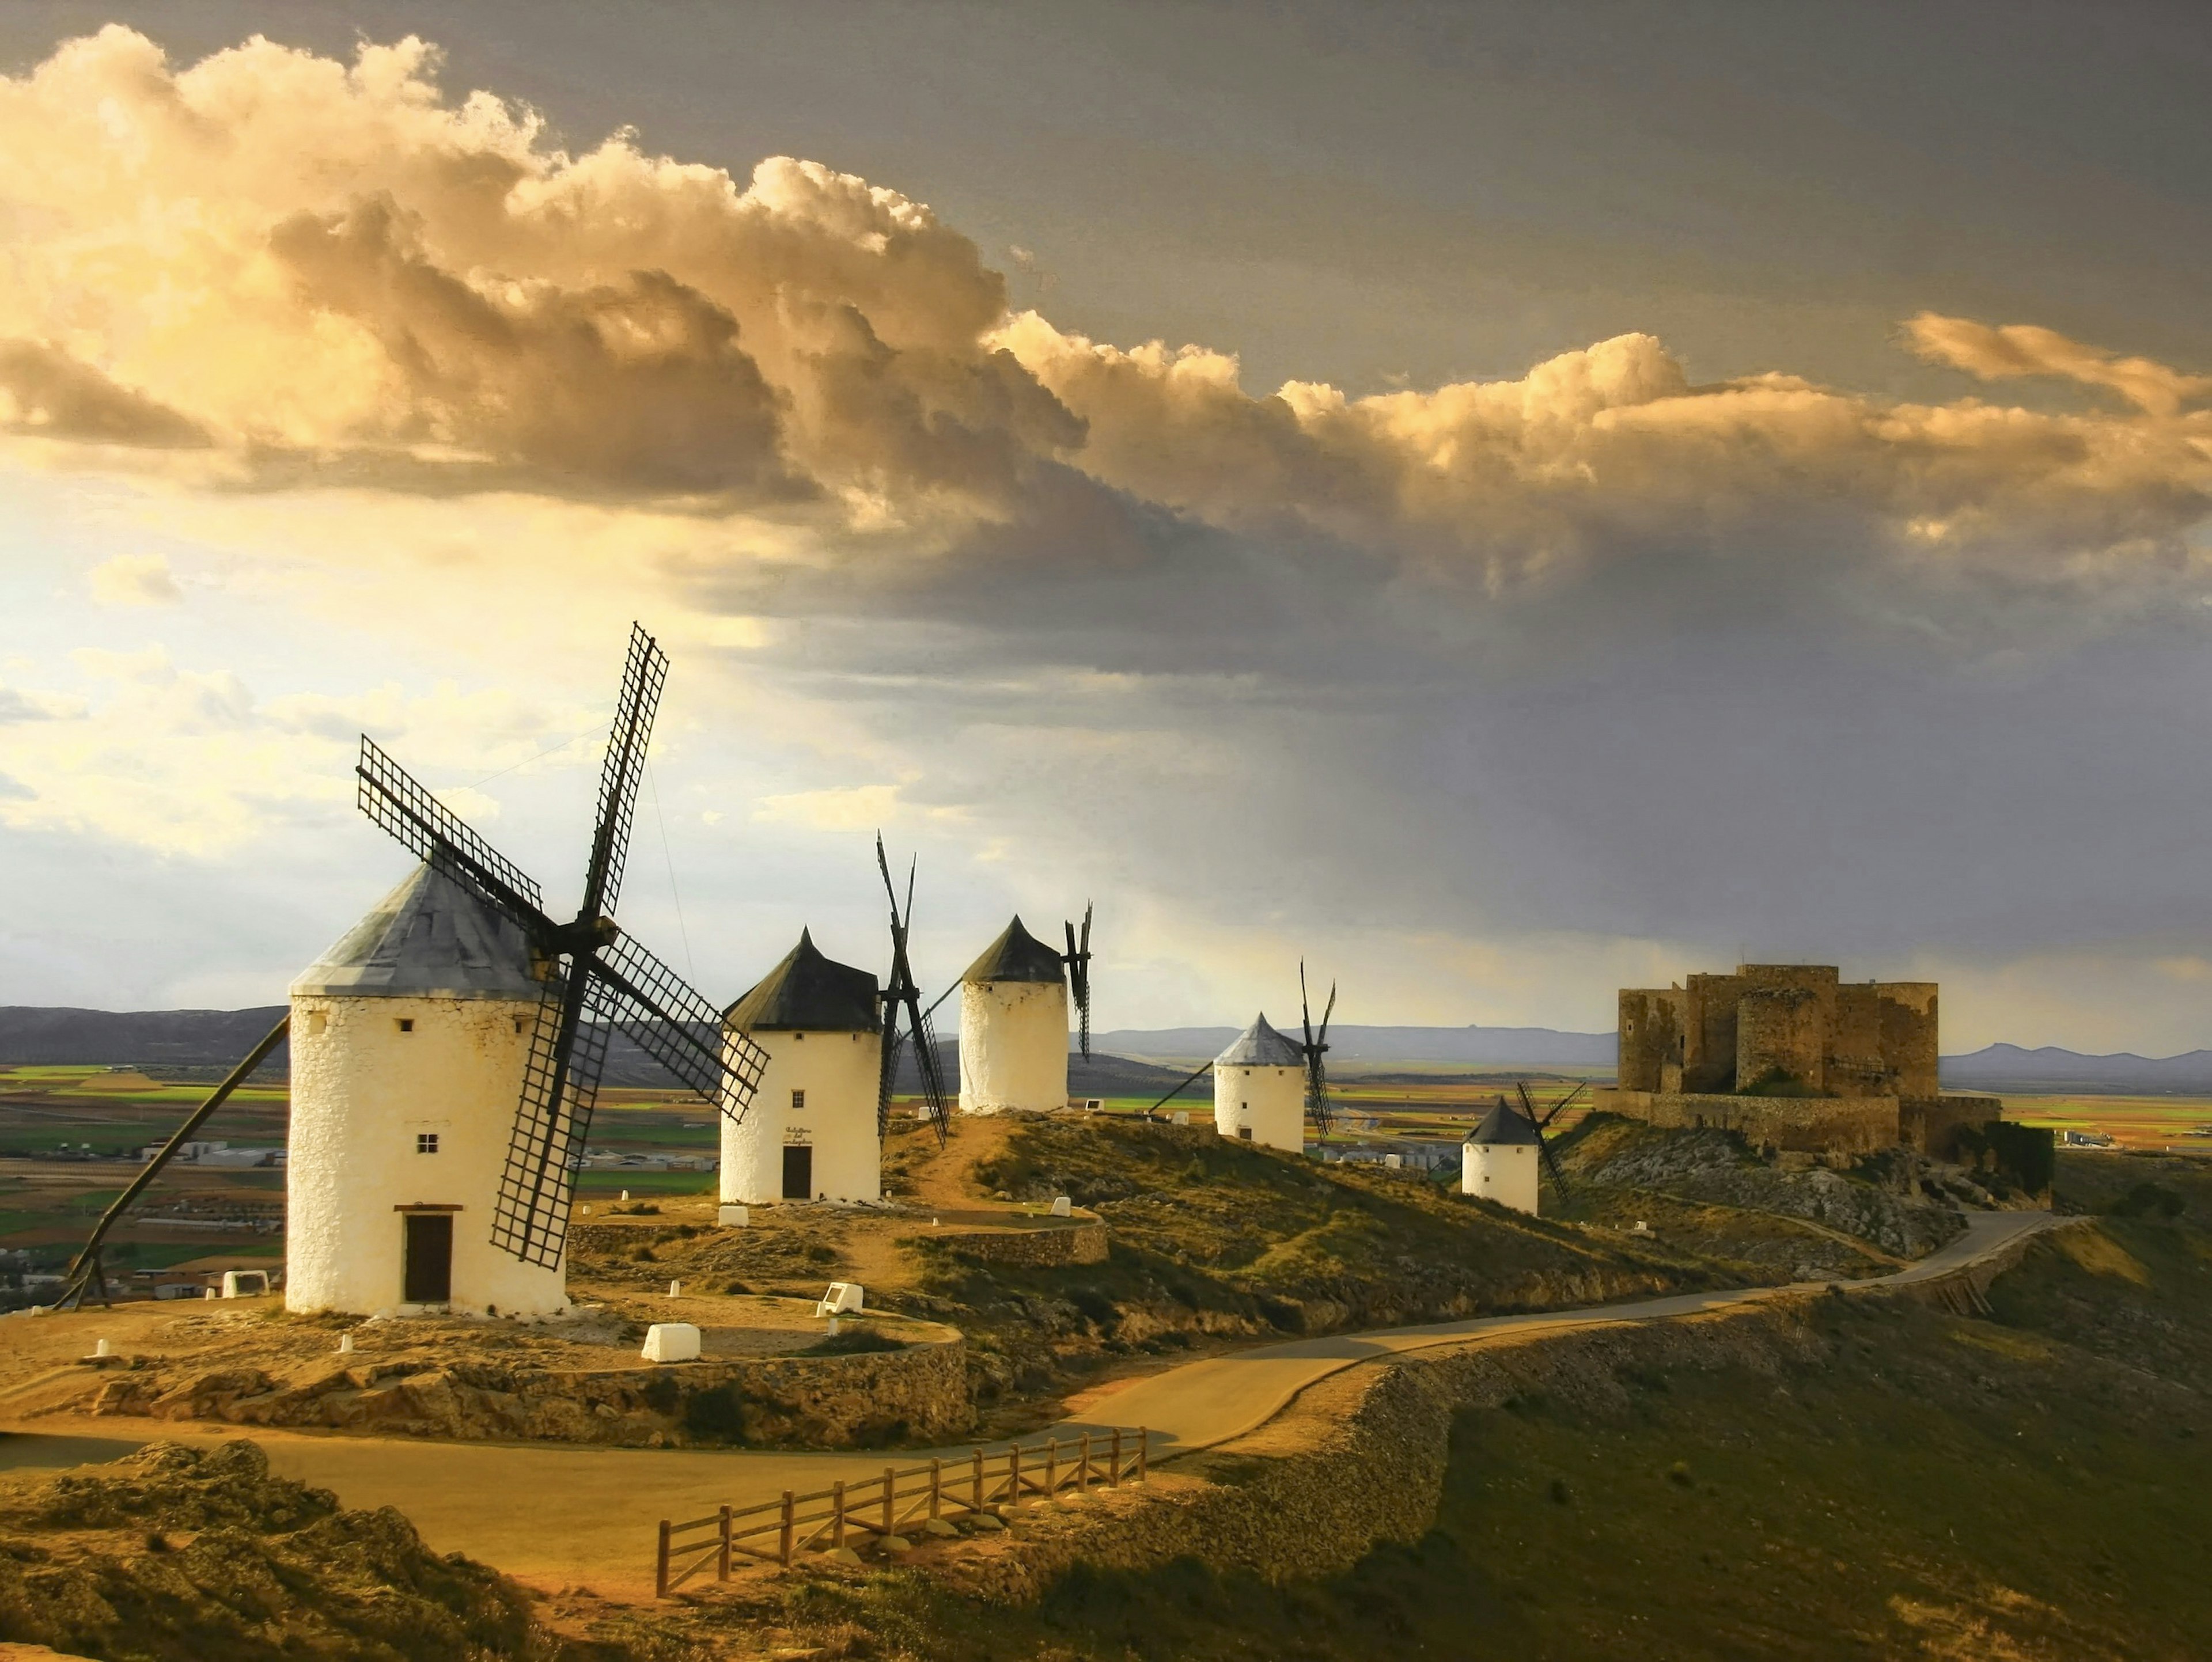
point(409, 1039)
point(1260, 1089)
point(811, 1133)
point(1013, 1026)
point(1500, 1158)
point(1792, 1057)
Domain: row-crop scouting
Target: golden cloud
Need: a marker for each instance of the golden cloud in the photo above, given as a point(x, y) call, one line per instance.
point(292, 272)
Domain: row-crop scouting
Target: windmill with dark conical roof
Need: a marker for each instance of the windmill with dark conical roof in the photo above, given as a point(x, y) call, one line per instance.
point(1013, 1025)
point(812, 1133)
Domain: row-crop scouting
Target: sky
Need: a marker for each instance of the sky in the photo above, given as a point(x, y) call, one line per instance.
point(1502, 502)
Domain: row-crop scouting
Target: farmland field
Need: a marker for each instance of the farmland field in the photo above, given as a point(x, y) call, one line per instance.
point(2181, 1123)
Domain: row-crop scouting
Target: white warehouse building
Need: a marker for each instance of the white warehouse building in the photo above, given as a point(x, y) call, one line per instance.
point(1013, 1026)
point(811, 1133)
point(1499, 1160)
point(409, 1039)
point(1260, 1089)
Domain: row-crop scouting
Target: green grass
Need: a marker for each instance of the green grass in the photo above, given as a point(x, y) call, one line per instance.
point(600, 1186)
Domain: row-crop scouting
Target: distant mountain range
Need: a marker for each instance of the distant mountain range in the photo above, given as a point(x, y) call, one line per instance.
point(1126, 1062)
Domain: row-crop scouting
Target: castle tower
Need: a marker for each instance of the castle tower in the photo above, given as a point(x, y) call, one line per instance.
point(810, 1132)
point(1260, 1089)
point(1497, 1161)
point(1013, 1026)
point(409, 1039)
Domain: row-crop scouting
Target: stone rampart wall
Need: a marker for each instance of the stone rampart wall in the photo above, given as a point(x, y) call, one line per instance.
point(1816, 1125)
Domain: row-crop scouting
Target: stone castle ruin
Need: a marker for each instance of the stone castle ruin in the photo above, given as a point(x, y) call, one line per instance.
point(1793, 1058)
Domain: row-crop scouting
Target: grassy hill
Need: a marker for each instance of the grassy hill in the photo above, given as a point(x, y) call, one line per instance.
point(1879, 1480)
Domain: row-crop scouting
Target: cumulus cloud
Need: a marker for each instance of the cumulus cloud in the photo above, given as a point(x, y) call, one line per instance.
point(322, 272)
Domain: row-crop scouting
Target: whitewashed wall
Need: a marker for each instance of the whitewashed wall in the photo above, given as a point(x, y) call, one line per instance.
point(1503, 1172)
point(1270, 1100)
point(363, 1091)
point(838, 1072)
point(1013, 1046)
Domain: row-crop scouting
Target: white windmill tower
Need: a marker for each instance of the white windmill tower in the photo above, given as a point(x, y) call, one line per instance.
point(446, 1055)
point(410, 1039)
point(457, 992)
point(812, 1133)
point(1498, 1161)
point(1013, 1021)
point(1260, 1089)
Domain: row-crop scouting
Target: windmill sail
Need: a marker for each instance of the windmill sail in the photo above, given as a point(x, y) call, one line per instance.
point(596, 979)
point(1541, 1123)
point(1077, 960)
point(903, 996)
point(1319, 1107)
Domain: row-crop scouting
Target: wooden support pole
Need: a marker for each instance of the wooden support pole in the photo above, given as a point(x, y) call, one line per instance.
point(979, 1480)
point(1082, 1466)
point(1144, 1445)
point(936, 1486)
point(660, 1564)
point(1113, 1461)
point(891, 1492)
point(722, 1570)
point(790, 1540)
point(837, 1514)
point(1051, 1466)
point(1014, 1476)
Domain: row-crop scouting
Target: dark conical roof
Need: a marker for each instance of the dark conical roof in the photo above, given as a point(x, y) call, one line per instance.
point(1016, 955)
point(1505, 1125)
point(428, 938)
point(809, 993)
point(1260, 1047)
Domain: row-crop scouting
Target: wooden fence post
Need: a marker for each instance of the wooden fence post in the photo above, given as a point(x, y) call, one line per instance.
point(1014, 1476)
point(1051, 1467)
point(890, 1490)
point(722, 1570)
point(660, 1564)
point(837, 1515)
point(1144, 1445)
point(979, 1480)
point(936, 1485)
point(1113, 1461)
point(790, 1542)
point(1082, 1466)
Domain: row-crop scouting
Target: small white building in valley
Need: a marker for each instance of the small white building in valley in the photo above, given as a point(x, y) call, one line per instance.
point(1013, 1026)
point(811, 1133)
point(1260, 1089)
point(1500, 1158)
point(408, 1042)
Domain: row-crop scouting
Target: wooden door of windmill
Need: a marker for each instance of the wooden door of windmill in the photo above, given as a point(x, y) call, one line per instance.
point(427, 1275)
point(798, 1171)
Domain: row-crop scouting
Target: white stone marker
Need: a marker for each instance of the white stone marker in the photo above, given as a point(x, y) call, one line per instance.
point(1060, 1208)
point(671, 1341)
point(734, 1217)
point(843, 1298)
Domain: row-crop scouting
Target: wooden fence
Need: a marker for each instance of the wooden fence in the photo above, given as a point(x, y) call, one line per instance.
point(779, 1531)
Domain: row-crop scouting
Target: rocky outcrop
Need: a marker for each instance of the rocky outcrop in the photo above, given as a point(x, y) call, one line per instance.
point(176, 1552)
point(907, 1393)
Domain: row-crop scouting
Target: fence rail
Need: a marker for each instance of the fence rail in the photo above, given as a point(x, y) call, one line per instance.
point(777, 1532)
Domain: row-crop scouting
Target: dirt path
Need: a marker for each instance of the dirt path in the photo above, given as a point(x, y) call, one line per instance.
point(557, 1515)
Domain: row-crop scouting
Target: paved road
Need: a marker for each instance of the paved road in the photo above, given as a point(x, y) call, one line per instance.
point(563, 1515)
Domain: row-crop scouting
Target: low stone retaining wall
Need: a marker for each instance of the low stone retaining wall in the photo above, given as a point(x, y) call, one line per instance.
point(1081, 1242)
point(870, 1399)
